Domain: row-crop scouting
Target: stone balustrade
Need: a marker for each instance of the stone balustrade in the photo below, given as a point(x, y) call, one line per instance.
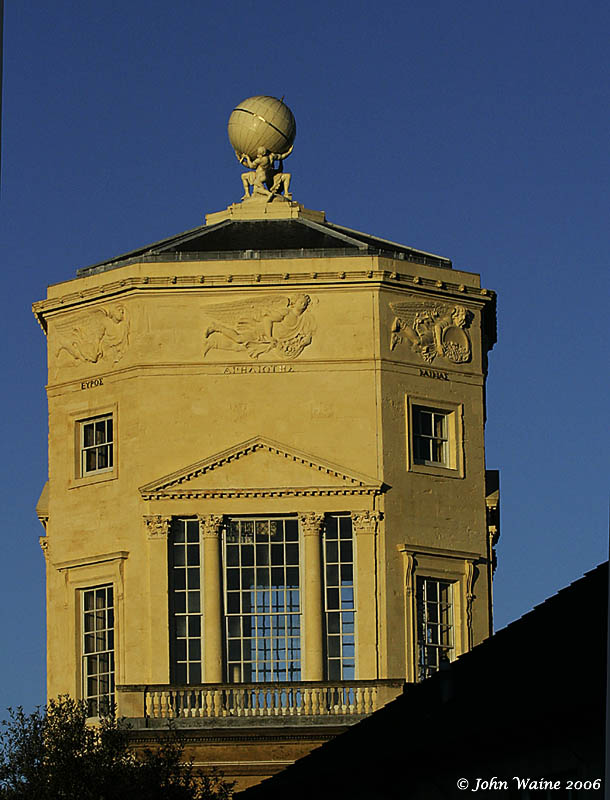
point(231, 700)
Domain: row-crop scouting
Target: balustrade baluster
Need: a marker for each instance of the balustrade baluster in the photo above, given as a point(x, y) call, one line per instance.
point(315, 705)
point(163, 713)
point(307, 701)
point(335, 699)
point(238, 702)
point(196, 702)
point(217, 702)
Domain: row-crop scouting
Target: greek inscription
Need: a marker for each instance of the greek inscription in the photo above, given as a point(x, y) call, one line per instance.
point(258, 369)
point(434, 373)
point(92, 384)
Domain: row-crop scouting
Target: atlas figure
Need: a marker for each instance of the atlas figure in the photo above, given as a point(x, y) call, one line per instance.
point(266, 179)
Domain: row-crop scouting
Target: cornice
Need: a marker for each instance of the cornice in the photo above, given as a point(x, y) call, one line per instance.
point(73, 563)
point(388, 277)
point(198, 734)
point(462, 555)
point(280, 491)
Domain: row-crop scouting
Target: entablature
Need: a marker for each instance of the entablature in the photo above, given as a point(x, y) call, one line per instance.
point(172, 280)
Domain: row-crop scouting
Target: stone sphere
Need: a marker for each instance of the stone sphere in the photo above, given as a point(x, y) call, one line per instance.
point(261, 121)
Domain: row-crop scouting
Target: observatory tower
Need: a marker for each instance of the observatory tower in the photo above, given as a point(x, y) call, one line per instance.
point(267, 504)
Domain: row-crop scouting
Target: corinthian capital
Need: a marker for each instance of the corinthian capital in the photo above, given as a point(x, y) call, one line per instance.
point(157, 526)
point(365, 521)
point(311, 523)
point(210, 525)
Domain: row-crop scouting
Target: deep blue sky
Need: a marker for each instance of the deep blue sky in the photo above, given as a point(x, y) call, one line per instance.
point(477, 130)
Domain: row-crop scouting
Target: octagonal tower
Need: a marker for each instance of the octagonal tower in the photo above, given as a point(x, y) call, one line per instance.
point(267, 504)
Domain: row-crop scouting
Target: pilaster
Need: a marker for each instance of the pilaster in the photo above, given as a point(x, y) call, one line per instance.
point(364, 526)
point(157, 528)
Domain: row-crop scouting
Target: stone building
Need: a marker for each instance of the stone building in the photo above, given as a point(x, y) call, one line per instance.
point(267, 503)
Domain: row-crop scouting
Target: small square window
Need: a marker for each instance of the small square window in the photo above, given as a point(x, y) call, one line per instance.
point(430, 436)
point(96, 445)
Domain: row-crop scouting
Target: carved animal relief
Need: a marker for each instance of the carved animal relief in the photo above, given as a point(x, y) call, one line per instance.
point(433, 330)
point(103, 332)
point(280, 325)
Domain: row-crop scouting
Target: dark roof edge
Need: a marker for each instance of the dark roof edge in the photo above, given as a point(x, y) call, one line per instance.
point(349, 237)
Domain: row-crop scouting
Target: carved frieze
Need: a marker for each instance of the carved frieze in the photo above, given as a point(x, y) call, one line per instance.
point(278, 325)
point(100, 333)
point(157, 526)
point(432, 331)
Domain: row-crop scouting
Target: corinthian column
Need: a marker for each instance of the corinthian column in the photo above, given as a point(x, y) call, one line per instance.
point(311, 526)
point(210, 527)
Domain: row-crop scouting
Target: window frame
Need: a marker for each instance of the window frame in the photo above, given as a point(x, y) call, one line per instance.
point(341, 608)
point(108, 630)
point(347, 635)
point(192, 618)
point(97, 447)
point(437, 563)
point(290, 617)
point(76, 422)
point(454, 466)
point(422, 617)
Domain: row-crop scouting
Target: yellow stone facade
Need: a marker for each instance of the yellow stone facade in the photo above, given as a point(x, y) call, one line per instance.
point(267, 382)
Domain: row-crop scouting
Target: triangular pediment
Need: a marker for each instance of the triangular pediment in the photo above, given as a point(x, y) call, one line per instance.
point(260, 467)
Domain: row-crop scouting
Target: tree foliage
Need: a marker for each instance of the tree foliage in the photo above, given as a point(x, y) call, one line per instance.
point(53, 754)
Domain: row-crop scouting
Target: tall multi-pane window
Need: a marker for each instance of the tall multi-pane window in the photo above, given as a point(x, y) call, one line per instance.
point(262, 599)
point(339, 597)
point(430, 436)
point(185, 606)
point(98, 649)
point(435, 631)
point(96, 445)
point(261, 596)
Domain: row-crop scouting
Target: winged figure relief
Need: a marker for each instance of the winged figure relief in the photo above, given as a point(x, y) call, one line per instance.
point(104, 331)
point(432, 330)
point(281, 325)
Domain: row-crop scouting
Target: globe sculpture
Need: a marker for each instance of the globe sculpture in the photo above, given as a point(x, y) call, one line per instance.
point(261, 121)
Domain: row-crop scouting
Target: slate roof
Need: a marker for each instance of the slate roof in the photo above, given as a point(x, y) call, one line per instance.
point(278, 238)
point(531, 697)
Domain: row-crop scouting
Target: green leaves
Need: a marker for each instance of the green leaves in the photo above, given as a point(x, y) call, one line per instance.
point(56, 753)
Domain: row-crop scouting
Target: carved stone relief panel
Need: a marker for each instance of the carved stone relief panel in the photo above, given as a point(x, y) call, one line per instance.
point(94, 335)
point(278, 325)
point(432, 330)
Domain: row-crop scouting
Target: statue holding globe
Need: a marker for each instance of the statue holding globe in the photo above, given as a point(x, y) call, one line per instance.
point(266, 179)
point(262, 131)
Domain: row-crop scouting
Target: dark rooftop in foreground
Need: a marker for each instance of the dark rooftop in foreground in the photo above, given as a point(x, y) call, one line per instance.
point(527, 701)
